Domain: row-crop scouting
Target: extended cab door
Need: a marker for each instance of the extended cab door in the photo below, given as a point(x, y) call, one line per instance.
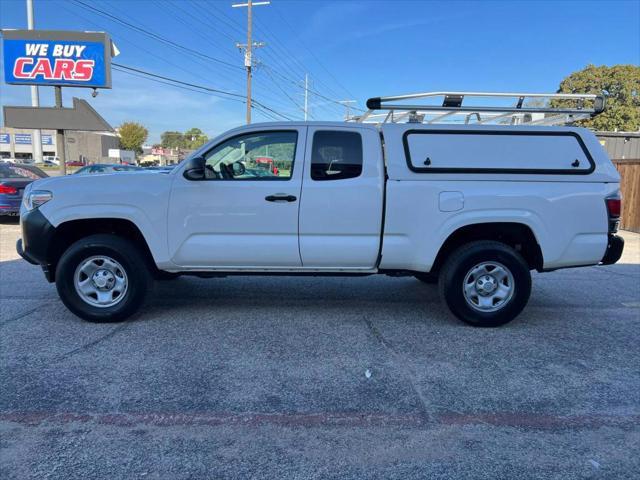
point(342, 198)
point(244, 215)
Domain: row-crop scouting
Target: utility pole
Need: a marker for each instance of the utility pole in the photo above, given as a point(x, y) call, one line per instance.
point(347, 105)
point(306, 96)
point(35, 95)
point(248, 47)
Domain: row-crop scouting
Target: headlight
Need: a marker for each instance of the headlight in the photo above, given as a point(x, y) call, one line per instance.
point(34, 199)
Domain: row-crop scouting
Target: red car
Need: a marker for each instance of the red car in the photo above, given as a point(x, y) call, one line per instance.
point(74, 163)
point(267, 164)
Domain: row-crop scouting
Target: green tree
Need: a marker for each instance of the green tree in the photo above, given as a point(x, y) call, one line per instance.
point(132, 136)
point(620, 84)
point(194, 138)
point(172, 139)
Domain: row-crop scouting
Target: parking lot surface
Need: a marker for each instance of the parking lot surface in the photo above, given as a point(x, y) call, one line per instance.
point(277, 377)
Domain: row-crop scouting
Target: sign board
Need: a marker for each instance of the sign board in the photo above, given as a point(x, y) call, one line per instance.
point(126, 156)
point(5, 138)
point(22, 138)
point(81, 117)
point(60, 58)
point(47, 139)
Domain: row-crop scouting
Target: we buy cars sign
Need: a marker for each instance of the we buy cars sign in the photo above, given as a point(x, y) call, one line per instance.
point(58, 58)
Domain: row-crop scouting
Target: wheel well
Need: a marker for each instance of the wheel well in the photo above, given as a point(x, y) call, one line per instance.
point(516, 235)
point(69, 232)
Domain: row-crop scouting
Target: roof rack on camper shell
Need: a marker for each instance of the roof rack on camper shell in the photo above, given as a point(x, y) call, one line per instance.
point(496, 108)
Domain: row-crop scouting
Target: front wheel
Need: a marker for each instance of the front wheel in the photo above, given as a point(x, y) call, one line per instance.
point(102, 278)
point(485, 283)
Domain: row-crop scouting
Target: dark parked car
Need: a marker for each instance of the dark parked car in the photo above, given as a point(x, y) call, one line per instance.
point(14, 177)
point(106, 168)
point(163, 168)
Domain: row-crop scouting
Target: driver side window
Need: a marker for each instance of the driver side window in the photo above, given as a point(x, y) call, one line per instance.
point(253, 156)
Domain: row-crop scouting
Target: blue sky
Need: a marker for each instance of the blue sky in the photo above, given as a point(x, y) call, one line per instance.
point(351, 50)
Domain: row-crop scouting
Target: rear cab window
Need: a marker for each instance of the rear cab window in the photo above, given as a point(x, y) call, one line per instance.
point(336, 155)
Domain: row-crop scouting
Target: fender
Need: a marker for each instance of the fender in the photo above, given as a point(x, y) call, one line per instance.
point(525, 217)
point(153, 232)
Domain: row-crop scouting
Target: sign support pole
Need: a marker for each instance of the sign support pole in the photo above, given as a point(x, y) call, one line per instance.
point(60, 143)
point(35, 96)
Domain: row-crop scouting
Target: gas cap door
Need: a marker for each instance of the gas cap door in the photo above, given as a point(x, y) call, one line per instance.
point(451, 201)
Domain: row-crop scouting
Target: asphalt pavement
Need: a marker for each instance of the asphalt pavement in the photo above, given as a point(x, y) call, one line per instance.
point(350, 378)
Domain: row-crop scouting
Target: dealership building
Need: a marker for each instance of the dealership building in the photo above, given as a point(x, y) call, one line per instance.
point(87, 147)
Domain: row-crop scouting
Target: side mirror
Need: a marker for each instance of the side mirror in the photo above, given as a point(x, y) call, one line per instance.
point(194, 169)
point(238, 169)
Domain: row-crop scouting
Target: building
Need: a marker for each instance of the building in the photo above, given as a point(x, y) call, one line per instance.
point(621, 145)
point(87, 147)
point(157, 155)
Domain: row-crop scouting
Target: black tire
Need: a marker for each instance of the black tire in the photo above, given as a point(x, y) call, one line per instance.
point(462, 261)
point(428, 278)
point(163, 276)
point(130, 258)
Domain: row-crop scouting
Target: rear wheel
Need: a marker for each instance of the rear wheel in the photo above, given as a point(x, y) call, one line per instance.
point(103, 278)
point(485, 283)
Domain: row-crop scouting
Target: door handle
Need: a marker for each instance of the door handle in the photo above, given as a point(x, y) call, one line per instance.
point(280, 197)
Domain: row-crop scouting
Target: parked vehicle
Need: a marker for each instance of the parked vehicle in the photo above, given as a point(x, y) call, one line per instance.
point(476, 207)
point(106, 168)
point(266, 163)
point(163, 168)
point(48, 163)
point(74, 163)
point(14, 178)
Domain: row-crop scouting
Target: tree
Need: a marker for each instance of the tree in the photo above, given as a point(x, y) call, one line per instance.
point(190, 140)
point(194, 138)
point(132, 136)
point(172, 139)
point(620, 84)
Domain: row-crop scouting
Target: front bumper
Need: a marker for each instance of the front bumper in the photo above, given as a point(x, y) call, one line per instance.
point(37, 239)
point(23, 254)
point(614, 250)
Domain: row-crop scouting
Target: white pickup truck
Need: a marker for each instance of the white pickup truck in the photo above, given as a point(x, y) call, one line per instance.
point(474, 207)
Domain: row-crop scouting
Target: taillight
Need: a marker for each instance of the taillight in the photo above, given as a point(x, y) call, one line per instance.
point(7, 190)
point(614, 205)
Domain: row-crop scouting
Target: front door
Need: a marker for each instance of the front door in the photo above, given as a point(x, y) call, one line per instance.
point(244, 215)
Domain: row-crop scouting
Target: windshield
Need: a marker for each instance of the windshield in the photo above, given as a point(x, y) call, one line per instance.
point(20, 172)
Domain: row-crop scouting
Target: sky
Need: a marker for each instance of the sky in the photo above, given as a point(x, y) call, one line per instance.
point(351, 50)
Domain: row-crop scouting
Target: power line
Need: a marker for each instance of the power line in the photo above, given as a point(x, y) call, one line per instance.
point(150, 74)
point(317, 94)
point(277, 10)
point(118, 69)
point(284, 92)
point(201, 87)
point(154, 35)
point(190, 23)
point(193, 72)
